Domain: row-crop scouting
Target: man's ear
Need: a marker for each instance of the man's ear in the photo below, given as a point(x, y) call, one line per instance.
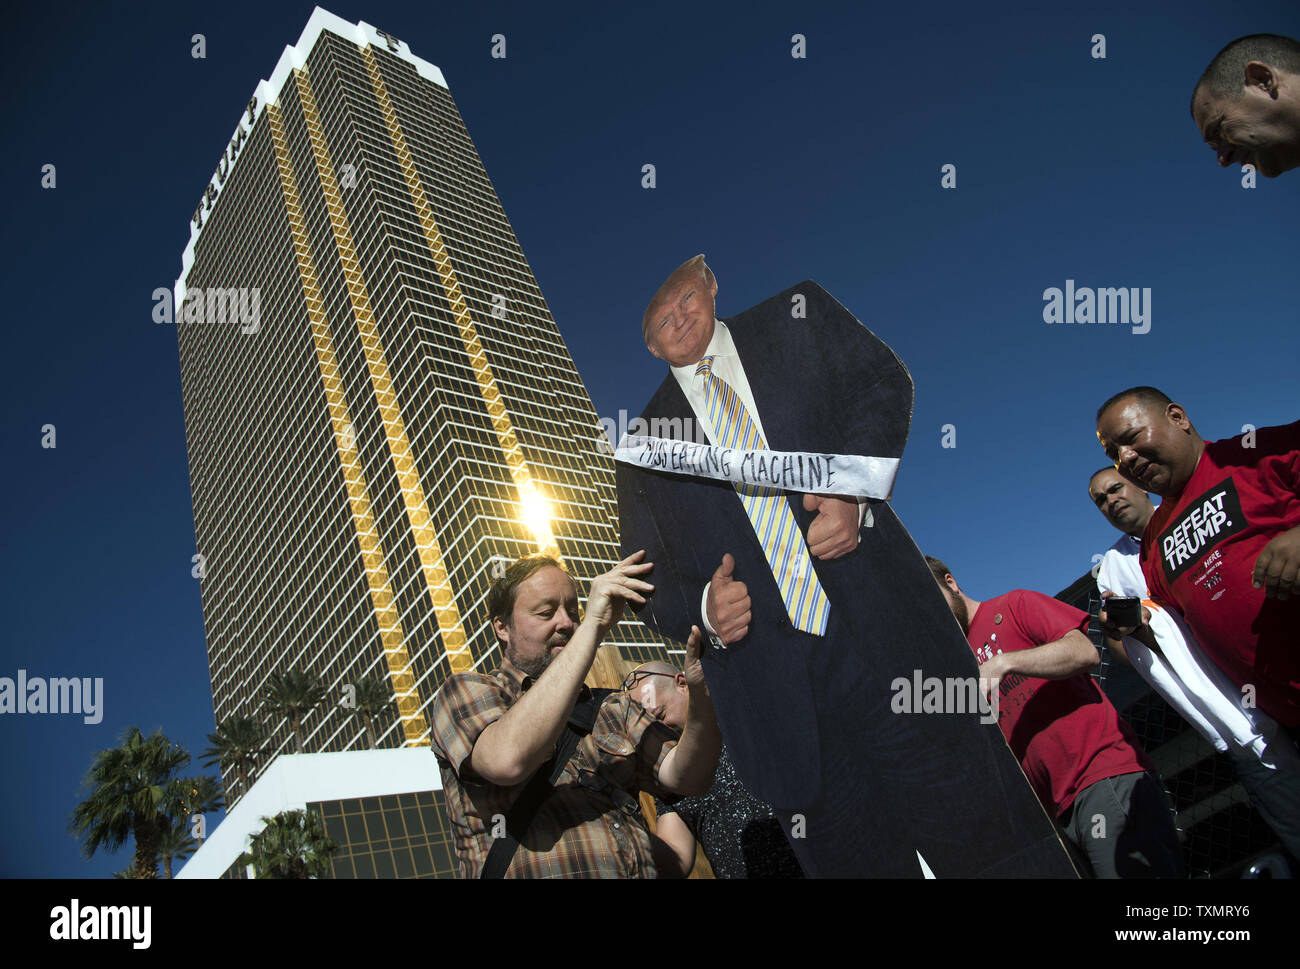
point(1177, 416)
point(1260, 75)
point(951, 583)
point(653, 352)
point(502, 631)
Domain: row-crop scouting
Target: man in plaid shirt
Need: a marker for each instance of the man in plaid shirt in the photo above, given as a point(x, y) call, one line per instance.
point(491, 732)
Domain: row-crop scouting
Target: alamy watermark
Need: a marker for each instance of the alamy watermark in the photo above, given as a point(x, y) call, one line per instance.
point(947, 694)
point(216, 305)
point(59, 694)
point(1126, 306)
point(127, 923)
point(673, 428)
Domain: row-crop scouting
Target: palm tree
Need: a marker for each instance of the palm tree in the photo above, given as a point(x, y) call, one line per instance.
point(293, 695)
point(128, 795)
point(292, 845)
point(236, 742)
point(188, 796)
point(196, 795)
point(374, 697)
point(177, 843)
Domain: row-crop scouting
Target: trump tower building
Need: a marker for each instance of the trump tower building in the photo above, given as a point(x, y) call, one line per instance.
point(380, 413)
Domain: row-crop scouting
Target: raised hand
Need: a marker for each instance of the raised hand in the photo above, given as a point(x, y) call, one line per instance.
point(620, 584)
point(1119, 632)
point(693, 670)
point(728, 604)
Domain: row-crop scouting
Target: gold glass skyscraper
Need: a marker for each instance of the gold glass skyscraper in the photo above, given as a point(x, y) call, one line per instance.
point(379, 409)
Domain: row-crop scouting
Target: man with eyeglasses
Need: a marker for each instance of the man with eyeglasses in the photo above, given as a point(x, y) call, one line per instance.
point(499, 736)
point(740, 835)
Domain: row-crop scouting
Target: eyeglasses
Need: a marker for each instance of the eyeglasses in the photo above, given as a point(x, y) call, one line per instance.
point(634, 678)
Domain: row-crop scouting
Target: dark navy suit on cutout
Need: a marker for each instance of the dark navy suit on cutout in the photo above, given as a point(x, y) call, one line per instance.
point(807, 719)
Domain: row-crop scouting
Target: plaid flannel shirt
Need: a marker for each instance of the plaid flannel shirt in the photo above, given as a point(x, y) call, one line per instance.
point(591, 826)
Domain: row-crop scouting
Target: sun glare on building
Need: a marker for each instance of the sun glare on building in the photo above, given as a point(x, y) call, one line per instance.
point(536, 512)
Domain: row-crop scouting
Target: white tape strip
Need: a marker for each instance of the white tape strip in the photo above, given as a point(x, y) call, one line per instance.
point(802, 471)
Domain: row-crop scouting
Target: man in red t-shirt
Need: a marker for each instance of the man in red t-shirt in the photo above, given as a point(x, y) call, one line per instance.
point(1082, 759)
point(1223, 548)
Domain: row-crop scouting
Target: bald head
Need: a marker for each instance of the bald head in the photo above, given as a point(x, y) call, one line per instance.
point(1227, 77)
point(658, 666)
point(1148, 397)
point(1151, 440)
point(1247, 104)
point(678, 324)
point(661, 688)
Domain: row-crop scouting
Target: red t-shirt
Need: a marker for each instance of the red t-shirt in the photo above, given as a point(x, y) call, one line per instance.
point(1199, 552)
point(1066, 733)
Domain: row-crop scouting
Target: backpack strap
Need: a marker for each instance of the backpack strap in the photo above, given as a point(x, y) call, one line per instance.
point(541, 785)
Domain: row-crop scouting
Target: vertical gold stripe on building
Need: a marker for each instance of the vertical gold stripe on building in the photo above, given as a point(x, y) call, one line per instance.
point(529, 496)
point(437, 581)
point(414, 727)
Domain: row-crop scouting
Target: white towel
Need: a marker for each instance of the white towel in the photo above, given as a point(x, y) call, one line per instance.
point(1188, 679)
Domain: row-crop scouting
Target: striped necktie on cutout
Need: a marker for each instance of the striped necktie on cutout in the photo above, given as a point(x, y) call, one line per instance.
point(774, 524)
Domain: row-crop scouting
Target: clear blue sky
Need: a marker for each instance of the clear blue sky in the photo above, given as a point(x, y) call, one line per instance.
point(780, 169)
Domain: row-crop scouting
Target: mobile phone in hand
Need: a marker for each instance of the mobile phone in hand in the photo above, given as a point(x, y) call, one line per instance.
point(1124, 611)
